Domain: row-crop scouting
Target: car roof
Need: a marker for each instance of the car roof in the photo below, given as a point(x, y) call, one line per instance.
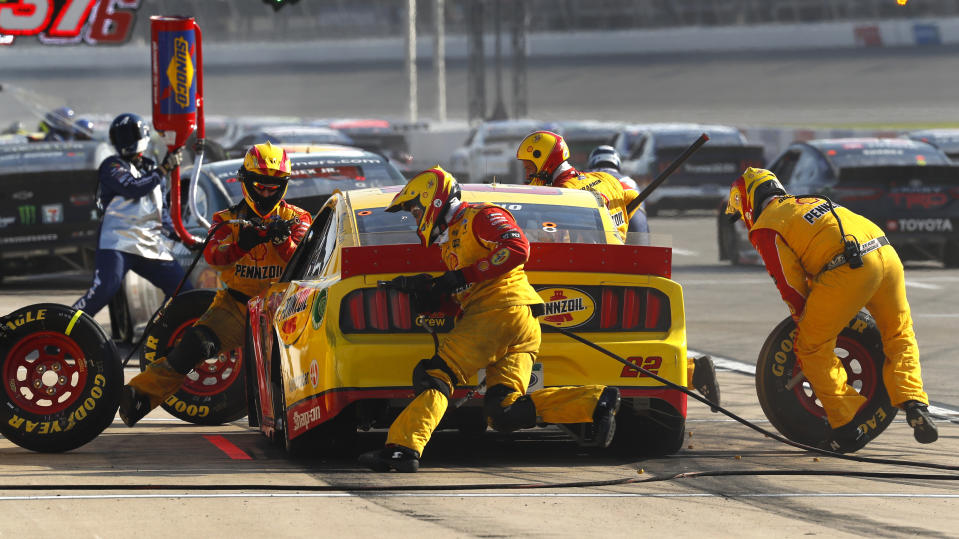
point(588, 128)
point(302, 154)
point(53, 155)
point(485, 192)
point(680, 127)
point(857, 143)
point(293, 129)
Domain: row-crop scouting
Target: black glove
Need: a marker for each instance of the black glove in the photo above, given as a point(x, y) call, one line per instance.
point(411, 284)
point(278, 230)
point(419, 287)
point(251, 236)
point(448, 283)
point(171, 160)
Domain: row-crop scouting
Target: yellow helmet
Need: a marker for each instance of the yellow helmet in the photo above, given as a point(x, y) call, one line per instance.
point(547, 151)
point(265, 167)
point(427, 196)
point(750, 190)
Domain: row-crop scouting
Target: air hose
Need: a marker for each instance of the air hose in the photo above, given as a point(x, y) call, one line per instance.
point(749, 424)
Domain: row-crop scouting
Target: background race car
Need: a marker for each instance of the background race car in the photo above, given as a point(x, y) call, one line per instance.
point(906, 187)
point(329, 351)
point(48, 216)
point(703, 180)
point(489, 152)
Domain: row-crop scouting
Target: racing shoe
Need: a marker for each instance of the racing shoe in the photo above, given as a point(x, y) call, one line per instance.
point(133, 405)
point(704, 380)
point(392, 457)
point(848, 438)
point(604, 418)
point(917, 414)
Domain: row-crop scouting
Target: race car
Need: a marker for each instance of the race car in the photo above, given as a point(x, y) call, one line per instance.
point(908, 188)
point(329, 352)
point(378, 136)
point(48, 215)
point(288, 134)
point(583, 137)
point(703, 180)
point(489, 152)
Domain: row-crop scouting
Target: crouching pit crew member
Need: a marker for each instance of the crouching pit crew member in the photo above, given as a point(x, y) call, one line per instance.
point(803, 243)
point(545, 158)
point(484, 250)
point(250, 251)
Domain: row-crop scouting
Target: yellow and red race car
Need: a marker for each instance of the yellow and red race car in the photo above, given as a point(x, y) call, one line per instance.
point(328, 352)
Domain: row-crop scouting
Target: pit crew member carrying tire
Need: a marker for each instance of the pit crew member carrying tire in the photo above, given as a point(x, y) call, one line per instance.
point(496, 327)
point(545, 157)
point(136, 232)
point(606, 159)
point(828, 263)
point(251, 244)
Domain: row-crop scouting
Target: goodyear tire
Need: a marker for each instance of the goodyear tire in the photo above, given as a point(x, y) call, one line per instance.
point(797, 413)
point(61, 378)
point(213, 393)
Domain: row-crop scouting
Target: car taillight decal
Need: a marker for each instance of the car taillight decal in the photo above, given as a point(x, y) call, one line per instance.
point(376, 310)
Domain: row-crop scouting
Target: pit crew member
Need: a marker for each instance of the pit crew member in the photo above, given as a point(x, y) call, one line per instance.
point(496, 329)
point(251, 244)
point(606, 159)
point(136, 232)
point(803, 244)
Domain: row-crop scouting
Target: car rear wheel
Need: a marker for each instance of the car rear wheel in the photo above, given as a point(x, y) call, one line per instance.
point(215, 391)
point(652, 431)
point(61, 378)
point(796, 412)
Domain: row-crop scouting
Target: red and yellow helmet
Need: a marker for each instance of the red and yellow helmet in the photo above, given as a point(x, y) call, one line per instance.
point(266, 168)
point(427, 196)
point(546, 151)
point(750, 190)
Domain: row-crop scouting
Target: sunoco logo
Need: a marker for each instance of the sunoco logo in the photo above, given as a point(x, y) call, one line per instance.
point(567, 307)
point(180, 72)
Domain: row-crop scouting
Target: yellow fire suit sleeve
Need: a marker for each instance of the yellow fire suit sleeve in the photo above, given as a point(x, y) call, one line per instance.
point(784, 267)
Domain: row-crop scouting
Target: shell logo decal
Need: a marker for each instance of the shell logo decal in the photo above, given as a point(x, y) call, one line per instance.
point(566, 307)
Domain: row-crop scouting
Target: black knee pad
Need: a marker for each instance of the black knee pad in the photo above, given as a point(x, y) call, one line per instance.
point(197, 344)
point(422, 380)
point(519, 415)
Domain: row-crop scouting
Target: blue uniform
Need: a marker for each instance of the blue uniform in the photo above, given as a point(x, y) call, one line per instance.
point(135, 232)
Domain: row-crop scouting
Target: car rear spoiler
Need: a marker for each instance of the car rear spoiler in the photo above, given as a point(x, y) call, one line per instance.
point(567, 257)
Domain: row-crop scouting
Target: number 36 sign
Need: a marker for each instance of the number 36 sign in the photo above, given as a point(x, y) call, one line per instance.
point(68, 21)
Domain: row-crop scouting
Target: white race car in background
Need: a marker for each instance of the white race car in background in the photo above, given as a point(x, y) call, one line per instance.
point(489, 152)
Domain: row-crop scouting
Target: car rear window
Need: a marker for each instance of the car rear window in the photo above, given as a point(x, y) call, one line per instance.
point(543, 223)
point(891, 152)
point(682, 140)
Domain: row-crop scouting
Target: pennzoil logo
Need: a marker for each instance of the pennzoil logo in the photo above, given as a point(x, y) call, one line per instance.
point(567, 307)
point(180, 72)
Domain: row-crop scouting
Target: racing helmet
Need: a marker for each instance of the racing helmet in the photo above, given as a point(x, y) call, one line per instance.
point(748, 193)
point(603, 157)
point(427, 196)
point(57, 124)
point(265, 167)
point(83, 129)
point(546, 151)
point(129, 134)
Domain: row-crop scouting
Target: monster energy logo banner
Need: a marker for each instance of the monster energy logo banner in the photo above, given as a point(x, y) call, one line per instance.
point(28, 215)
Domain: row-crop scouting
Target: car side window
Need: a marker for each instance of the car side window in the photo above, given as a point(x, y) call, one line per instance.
point(807, 169)
point(784, 166)
point(469, 139)
point(327, 243)
point(637, 147)
point(307, 250)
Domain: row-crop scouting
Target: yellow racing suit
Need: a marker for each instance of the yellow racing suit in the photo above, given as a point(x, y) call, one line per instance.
point(605, 185)
point(798, 239)
point(496, 330)
point(243, 274)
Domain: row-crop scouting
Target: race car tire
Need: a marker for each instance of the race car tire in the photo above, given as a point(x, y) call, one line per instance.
point(653, 431)
point(61, 378)
point(215, 392)
point(796, 413)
